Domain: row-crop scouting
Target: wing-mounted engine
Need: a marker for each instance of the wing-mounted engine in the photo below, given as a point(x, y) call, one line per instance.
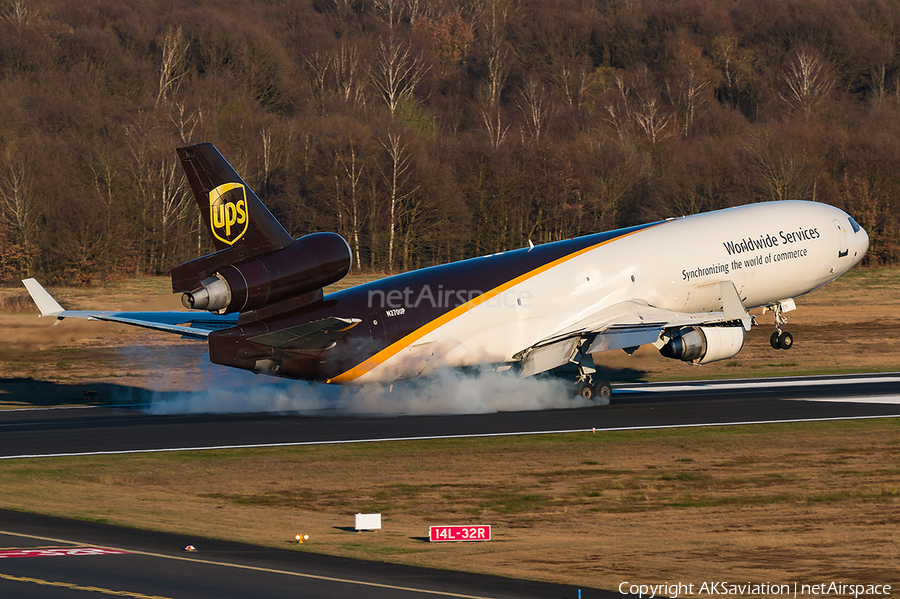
point(702, 345)
point(305, 266)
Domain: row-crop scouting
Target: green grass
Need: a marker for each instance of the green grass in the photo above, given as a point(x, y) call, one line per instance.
point(529, 485)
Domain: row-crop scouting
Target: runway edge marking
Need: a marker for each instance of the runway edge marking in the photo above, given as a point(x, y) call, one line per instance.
point(438, 437)
point(254, 568)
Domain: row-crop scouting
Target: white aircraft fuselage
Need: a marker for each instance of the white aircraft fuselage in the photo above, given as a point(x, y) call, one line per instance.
point(770, 251)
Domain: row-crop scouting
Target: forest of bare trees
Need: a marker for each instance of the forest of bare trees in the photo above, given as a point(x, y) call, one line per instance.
point(426, 131)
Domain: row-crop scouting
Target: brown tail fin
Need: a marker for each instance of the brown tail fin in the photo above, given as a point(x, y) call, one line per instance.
point(232, 213)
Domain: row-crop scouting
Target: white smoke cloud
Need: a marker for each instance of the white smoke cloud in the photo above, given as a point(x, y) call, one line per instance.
point(227, 390)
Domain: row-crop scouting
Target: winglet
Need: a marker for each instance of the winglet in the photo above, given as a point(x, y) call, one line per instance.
point(732, 306)
point(44, 301)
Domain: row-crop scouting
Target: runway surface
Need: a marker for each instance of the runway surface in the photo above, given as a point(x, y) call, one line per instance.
point(74, 431)
point(44, 557)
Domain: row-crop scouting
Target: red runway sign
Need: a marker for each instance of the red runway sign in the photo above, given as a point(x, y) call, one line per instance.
point(58, 552)
point(478, 532)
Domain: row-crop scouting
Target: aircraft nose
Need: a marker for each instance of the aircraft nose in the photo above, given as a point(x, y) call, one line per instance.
point(862, 241)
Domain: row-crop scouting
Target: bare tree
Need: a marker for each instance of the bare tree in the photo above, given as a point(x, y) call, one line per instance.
point(159, 190)
point(808, 80)
point(692, 75)
point(536, 107)
point(396, 180)
point(637, 100)
point(352, 170)
point(185, 121)
point(652, 119)
point(689, 93)
point(20, 14)
point(491, 32)
point(618, 107)
point(415, 9)
point(17, 205)
point(174, 200)
point(351, 75)
point(267, 159)
point(399, 71)
point(784, 172)
point(491, 26)
point(494, 128)
point(389, 11)
point(317, 66)
point(573, 83)
point(879, 83)
point(173, 66)
point(340, 10)
point(734, 63)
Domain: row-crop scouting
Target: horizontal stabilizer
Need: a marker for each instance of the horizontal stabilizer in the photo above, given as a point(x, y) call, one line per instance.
point(190, 324)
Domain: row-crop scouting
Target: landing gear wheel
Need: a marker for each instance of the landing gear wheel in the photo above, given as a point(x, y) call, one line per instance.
point(598, 394)
point(602, 393)
point(584, 390)
point(785, 340)
point(773, 340)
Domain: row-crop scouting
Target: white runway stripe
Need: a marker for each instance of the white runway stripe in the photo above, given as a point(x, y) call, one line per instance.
point(436, 437)
point(881, 399)
point(755, 384)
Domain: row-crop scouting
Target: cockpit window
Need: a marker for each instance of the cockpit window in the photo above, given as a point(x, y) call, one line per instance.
point(855, 225)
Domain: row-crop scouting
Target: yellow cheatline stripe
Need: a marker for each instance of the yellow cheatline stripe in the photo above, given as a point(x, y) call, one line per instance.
point(398, 346)
point(253, 568)
point(78, 587)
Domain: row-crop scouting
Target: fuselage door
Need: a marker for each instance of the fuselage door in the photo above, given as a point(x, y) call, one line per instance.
point(842, 239)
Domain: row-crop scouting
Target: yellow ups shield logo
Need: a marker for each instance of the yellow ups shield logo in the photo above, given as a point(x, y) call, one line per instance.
point(228, 214)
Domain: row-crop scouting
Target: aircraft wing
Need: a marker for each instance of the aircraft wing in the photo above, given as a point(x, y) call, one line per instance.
point(622, 324)
point(189, 324)
point(626, 325)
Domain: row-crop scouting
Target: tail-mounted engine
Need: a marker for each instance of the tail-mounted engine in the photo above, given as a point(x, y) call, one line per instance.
point(308, 264)
point(702, 345)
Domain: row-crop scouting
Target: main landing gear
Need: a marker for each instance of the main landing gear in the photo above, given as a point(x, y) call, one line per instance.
point(780, 339)
point(600, 392)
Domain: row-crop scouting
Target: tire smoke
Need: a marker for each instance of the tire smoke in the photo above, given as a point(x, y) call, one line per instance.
point(227, 391)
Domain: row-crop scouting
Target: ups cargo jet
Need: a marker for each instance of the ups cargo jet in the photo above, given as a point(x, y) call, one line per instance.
point(683, 285)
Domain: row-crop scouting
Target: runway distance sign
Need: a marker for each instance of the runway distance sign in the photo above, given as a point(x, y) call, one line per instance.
point(478, 532)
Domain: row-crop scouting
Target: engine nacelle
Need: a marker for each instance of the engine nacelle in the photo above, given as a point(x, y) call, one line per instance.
point(702, 345)
point(308, 264)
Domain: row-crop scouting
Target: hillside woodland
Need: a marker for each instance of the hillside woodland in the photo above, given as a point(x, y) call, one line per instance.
point(426, 131)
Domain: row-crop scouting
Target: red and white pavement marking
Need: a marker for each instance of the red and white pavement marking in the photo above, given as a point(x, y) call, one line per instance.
point(58, 552)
